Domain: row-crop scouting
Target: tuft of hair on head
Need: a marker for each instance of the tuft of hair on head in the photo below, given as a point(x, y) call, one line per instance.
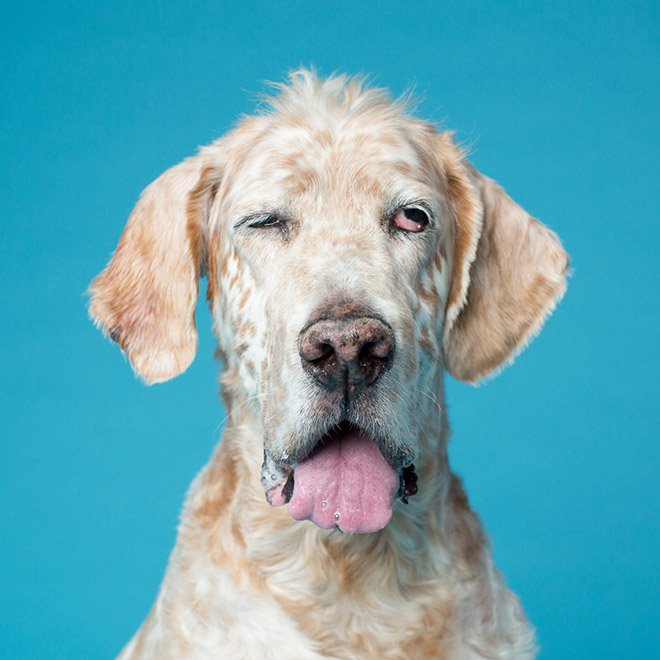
point(306, 94)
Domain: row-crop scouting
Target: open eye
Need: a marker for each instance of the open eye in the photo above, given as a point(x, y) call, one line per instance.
point(266, 221)
point(411, 218)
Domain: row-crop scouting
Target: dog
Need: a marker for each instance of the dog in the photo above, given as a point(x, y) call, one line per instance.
point(353, 256)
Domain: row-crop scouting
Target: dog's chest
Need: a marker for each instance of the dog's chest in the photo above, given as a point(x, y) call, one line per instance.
point(368, 609)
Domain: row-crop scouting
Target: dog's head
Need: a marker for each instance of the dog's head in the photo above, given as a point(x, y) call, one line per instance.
point(352, 254)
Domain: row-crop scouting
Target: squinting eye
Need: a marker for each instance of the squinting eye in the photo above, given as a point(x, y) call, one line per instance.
point(411, 219)
point(266, 221)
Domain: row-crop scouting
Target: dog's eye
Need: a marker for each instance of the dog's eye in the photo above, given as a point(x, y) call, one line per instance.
point(266, 221)
point(412, 219)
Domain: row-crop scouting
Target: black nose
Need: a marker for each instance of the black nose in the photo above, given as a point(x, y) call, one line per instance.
point(349, 353)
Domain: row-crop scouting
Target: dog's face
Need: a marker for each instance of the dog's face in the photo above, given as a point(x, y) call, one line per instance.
point(351, 254)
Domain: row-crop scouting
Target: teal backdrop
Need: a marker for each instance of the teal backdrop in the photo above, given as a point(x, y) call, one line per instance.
point(556, 100)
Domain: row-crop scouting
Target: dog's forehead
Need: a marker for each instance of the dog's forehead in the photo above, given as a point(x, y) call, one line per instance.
point(275, 163)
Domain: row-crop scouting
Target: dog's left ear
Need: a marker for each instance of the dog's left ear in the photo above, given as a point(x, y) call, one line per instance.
point(509, 273)
point(145, 298)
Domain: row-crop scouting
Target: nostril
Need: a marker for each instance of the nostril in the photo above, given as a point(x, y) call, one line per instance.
point(377, 348)
point(374, 358)
point(370, 354)
point(320, 353)
point(315, 345)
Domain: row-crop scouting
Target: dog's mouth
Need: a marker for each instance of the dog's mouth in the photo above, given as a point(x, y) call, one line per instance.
point(344, 483)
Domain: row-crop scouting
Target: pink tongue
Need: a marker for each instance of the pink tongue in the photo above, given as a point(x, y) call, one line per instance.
point(345, 483)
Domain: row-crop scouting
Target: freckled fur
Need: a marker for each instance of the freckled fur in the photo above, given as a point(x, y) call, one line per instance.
point(245, 580)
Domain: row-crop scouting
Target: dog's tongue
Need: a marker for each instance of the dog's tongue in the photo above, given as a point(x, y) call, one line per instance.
point(345, 482)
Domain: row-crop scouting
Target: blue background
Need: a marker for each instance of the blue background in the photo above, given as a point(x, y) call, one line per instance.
point(558, 101)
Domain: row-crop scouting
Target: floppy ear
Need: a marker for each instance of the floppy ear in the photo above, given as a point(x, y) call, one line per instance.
point(145, 298)
point(509, 273)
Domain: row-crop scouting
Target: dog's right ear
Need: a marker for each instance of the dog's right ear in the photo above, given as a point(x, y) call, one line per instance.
point(145, 298)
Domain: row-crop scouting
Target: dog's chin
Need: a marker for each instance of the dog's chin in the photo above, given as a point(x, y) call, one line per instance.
point(344, 483)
